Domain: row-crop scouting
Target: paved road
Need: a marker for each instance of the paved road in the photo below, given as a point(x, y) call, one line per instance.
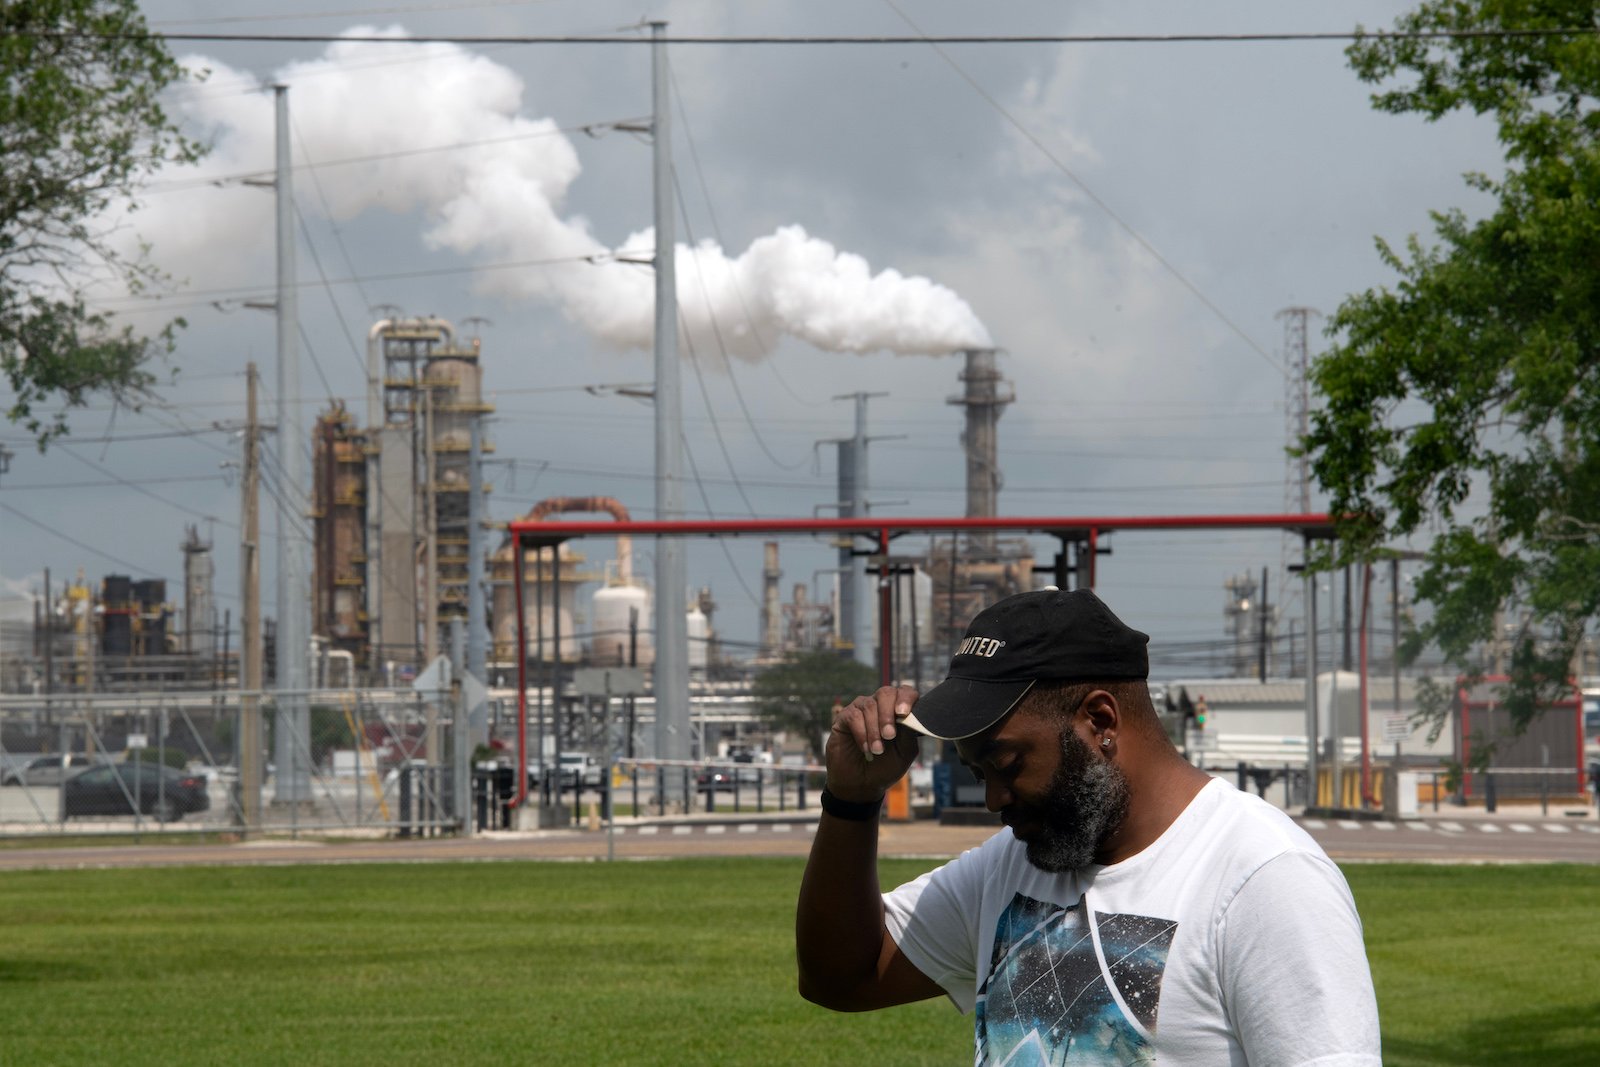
point(1510, 839)
point(1465, 839)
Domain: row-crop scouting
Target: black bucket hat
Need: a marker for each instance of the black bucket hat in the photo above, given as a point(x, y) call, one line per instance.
point(1045, 635)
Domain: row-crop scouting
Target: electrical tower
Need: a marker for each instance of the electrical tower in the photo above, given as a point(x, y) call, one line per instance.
point(1296, 424)
point(1296, 405)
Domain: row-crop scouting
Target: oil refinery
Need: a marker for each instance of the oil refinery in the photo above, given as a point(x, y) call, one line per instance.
point(421, 598)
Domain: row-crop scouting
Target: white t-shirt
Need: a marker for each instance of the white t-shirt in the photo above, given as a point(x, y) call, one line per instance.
point(1232, 939)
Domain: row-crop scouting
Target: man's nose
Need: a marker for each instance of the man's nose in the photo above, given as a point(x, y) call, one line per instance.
point(996, 794)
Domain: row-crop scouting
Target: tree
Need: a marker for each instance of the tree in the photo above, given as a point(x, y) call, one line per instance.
point(330, 729)
point(798, 694)
point(80, 125)
point(1465, 400)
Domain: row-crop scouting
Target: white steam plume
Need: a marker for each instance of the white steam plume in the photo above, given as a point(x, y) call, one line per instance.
point(499, 200)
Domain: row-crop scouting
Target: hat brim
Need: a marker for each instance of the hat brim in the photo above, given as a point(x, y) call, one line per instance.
point(961, 707)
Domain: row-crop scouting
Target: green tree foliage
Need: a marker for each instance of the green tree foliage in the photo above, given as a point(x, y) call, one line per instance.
point(80, 125)
point(330, 729)
point(1465, 400)
point(798, 694)
point(176, 758)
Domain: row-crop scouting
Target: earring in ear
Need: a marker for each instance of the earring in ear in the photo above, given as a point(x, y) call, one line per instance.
point(1105, 742)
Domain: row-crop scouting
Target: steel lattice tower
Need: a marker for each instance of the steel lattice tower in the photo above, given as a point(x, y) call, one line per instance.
point(1296, 424)
point(1296, 405)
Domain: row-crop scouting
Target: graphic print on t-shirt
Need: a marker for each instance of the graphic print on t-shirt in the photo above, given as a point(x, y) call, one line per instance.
point(1067, 986)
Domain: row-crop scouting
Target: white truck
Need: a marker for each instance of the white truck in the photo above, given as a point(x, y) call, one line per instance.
point(572, 769)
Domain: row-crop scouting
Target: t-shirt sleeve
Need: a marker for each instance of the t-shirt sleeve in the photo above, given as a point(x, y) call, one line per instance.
point(1293, 967)
point(934, 919)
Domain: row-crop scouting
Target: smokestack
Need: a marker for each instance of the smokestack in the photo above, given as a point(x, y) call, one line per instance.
point(986, 396)
point(771, 611)
point(198, 629)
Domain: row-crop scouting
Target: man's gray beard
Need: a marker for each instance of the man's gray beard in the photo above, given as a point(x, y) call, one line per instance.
point(1088, 801)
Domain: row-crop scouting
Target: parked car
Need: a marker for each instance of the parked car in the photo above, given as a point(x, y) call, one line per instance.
point(743, 777)
point(50, 769)
point(161, 792)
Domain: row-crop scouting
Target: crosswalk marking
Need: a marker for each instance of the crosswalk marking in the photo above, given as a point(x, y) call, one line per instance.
point(1487, 826)
point(1453, 827)
point(680, 829)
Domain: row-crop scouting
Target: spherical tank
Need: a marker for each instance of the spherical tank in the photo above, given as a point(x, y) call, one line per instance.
point(612, 610)
point(699, 645)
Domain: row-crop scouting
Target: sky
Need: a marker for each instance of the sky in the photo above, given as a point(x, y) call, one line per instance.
point(1124, 221)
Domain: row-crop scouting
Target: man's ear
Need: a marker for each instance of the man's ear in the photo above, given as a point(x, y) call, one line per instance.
point(1101, 711)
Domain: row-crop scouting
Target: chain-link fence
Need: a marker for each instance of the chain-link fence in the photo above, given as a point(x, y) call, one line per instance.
point(377, 762)
point(374, 761)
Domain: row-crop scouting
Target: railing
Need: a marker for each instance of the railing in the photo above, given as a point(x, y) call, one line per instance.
point(768, 786)
point(1545, 775)
point(648, 789)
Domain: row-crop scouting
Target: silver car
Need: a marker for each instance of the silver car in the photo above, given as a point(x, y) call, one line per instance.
point(51, 769)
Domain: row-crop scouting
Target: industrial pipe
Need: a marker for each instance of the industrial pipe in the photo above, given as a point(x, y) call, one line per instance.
point(559, 505)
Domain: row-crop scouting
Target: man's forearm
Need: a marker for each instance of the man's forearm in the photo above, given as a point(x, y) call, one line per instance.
point(846, 960)
point(839, 921)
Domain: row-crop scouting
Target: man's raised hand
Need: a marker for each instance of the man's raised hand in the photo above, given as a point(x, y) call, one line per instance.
point(867, 748)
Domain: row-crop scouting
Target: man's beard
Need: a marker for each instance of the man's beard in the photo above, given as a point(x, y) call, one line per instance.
point(1087, 801)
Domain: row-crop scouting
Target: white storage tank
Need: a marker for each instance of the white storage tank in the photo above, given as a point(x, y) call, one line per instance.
point(505, 633)
point(537, 607)
point(613, 608)
point(699, 639)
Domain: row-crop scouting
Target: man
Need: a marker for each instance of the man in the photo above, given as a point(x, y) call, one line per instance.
point(1135, 910)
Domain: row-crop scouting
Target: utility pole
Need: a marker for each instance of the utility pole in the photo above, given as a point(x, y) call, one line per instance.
point(1313, 727)
point(292, 733)
point(89, 640)
point(249, 739)
point(854, 597)
point(852, 624)
point(1297, 423)
point(477, 622)
point(49, 644)
point(1394, 640)
point(672, 580)
point(1347, 662)
point(1263, 611)
point(430, 529)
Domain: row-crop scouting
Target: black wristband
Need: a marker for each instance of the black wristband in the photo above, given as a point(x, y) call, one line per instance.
point(850, 809)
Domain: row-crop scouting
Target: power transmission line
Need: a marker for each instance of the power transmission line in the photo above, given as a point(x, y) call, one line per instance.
point(833, 39)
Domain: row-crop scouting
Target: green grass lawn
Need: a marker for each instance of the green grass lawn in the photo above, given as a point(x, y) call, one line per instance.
point(672, 962)
point(1484, 965)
